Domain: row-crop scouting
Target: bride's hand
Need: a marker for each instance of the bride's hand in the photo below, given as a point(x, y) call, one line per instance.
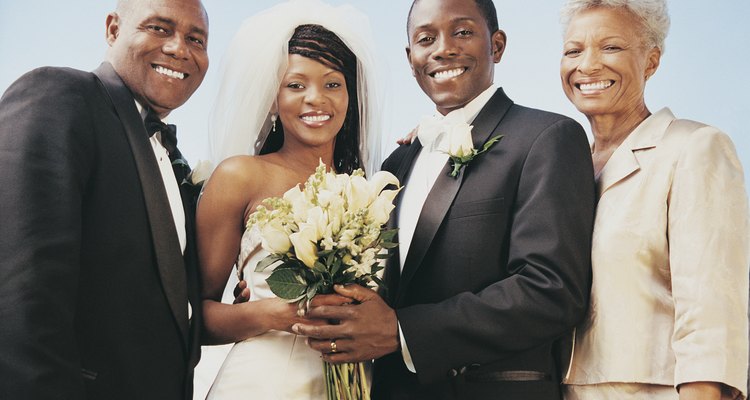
point(282, 314)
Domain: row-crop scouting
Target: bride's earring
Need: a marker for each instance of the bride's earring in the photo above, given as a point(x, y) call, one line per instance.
point(273, 122)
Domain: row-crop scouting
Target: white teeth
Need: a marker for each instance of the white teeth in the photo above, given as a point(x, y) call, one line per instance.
point(601, 85)
point(316, 118)
point(451, 73)
point(169, 72)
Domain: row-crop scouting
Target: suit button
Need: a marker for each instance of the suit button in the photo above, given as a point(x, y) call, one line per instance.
point(474, 366)
point(452, 373)
point(462, 370)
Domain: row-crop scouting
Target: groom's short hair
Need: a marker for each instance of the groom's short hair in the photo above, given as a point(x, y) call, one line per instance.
point(486, 7)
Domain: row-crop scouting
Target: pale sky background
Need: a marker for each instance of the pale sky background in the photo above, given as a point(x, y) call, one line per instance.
point(703, 74)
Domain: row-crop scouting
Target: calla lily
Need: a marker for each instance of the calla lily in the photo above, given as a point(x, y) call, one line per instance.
point(358, 193)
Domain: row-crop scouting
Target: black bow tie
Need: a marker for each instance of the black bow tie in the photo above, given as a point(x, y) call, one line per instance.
point(168, 131)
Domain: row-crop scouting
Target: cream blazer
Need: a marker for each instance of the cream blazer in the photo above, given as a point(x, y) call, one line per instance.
point(670, 259)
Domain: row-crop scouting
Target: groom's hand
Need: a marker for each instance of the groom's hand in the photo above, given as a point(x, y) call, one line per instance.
point(364, 331)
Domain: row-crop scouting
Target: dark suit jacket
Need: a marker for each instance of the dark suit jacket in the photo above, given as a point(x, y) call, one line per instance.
point(93, 287)
point(499, 266)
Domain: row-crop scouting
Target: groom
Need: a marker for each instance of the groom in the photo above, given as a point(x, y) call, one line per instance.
point(98, 275)
point(493, 266)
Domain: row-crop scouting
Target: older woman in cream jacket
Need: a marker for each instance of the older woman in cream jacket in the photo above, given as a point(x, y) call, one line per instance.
point(668, 313)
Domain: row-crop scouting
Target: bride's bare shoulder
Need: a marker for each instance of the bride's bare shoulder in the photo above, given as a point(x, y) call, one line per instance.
point(242, 168)
point(240, 173)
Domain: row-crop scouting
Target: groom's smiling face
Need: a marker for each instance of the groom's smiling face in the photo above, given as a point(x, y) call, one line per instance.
point(451, 51)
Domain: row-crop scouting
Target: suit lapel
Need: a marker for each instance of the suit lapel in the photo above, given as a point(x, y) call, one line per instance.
point(623, 162)
point(445, 189)
point(166, 244)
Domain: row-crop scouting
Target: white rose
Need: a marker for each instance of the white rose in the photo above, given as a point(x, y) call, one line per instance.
point(300, 205)
point(318, 219)
point(201, 172)
point(335, 183)
point(305, 245)
point(274, 238)
point(459, 140)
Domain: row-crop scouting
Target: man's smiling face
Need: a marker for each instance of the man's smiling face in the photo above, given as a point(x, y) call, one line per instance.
point(159, 49)
point(451, 51)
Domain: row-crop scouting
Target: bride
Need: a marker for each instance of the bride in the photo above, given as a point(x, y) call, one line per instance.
point(296, 88)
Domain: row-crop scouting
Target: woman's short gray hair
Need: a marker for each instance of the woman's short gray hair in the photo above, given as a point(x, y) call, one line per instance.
point(652, 14)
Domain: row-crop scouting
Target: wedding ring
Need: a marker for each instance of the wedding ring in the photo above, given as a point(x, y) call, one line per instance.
point(333, 346)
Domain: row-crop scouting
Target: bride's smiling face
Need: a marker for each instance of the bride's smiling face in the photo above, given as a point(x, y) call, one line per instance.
point(312, 102)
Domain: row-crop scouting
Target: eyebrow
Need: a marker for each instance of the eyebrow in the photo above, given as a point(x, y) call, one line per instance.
point(454, 20)
point(172, 23)
point(294, 74)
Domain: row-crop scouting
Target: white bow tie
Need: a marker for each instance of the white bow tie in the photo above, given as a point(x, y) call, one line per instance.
point(433, 128)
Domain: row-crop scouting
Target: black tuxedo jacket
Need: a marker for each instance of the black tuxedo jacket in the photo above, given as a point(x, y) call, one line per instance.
point(93, 286)
point(499, 266)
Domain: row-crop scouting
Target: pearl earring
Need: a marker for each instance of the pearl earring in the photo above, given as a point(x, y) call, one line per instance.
point(273, 122)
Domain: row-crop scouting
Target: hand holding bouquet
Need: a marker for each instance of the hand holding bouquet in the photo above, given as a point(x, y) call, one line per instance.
point(330, 232)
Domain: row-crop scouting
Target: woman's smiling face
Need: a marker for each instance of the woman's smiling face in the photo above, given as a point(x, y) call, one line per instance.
point(312, 102)
point(605, 63)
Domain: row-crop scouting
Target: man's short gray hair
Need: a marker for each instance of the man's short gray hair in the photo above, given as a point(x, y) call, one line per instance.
point(652, 14)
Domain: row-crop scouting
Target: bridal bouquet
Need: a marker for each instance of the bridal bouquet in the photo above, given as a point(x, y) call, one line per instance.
point(329, 232)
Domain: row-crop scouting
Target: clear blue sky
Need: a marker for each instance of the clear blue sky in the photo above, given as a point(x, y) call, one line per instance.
point(703, 75)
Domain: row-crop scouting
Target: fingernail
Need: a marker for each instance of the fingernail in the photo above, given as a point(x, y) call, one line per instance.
point(300, 312)
point(295, 328)
point(338, 286)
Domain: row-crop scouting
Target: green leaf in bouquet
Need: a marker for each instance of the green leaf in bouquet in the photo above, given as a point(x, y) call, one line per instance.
point(319, 267)
point(312, 291)
point(335, 266)
point(269, 260)
point(388, 245)
point(383, 256)
point(286, 283)
point(378, 281)
point(347, 277)
point(387, 235)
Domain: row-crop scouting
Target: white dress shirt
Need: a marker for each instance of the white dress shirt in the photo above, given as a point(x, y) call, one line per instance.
point(427, 166)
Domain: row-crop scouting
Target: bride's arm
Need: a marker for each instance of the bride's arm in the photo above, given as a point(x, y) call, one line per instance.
point(220, 222)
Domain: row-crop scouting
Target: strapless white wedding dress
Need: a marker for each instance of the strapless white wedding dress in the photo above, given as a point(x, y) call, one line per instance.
point(274, 365)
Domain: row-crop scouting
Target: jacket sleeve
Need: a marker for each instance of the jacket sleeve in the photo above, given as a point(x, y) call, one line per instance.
point(549, 257)
point(709, 247)
point(44, 135)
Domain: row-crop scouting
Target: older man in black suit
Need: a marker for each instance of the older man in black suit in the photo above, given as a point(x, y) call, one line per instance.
point(493, 267)
point(98, 275)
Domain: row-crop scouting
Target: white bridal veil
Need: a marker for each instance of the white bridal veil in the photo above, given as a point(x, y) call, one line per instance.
point(256, 61)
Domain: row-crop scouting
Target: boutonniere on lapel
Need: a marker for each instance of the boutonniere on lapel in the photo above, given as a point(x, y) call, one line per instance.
point(200, 173)
point(461, 146)
point(193, 179)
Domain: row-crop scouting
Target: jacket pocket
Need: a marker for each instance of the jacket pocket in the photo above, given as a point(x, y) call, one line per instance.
point(88, 374)
point(478, 207)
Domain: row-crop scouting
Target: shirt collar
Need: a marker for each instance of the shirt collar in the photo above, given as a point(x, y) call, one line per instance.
point(470, 111)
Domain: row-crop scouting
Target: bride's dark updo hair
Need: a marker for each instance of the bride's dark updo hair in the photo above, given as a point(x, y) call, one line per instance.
point(320, 44)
